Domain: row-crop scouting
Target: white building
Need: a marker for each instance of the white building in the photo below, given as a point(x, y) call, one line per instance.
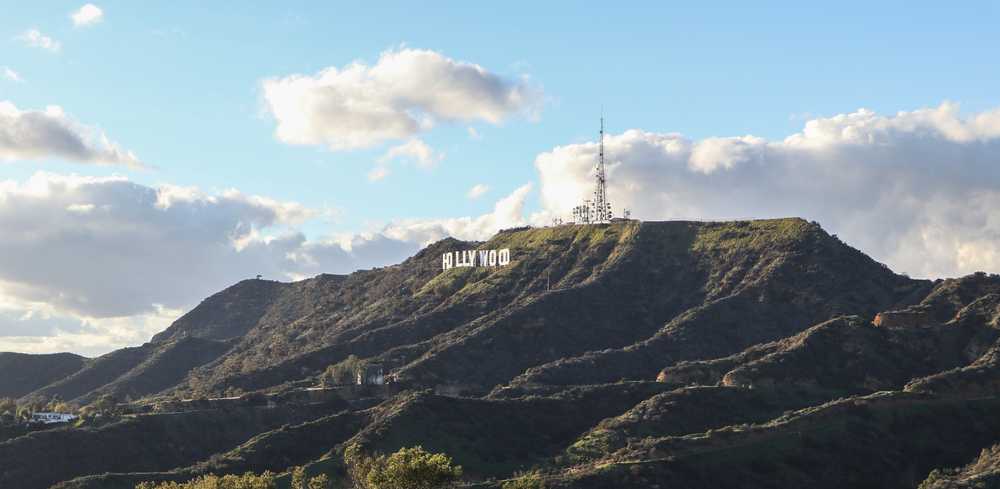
point(371, 375)
point(51, 418)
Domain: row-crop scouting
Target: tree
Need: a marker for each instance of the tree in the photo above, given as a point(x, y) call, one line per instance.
point(299, 478)
point(408, 468)
point(105, 405)
point(8, 406)
point(320, 482)
point(25, 411)
point(343, 372)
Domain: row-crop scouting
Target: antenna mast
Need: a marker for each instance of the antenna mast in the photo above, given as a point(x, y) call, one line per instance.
point(602, 208)
point(598, 209)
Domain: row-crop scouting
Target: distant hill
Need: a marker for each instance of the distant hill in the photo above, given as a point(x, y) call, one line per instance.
point(21, 373)
point(690, 354)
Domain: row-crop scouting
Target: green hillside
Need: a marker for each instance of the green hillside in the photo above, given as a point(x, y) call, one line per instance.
point(690, 354)
point(24, 373)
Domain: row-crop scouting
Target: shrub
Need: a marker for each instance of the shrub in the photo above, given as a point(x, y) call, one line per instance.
point(245, 481)
point(343, 372)
point(408, 468)
point(525, 481)
point(266, 480)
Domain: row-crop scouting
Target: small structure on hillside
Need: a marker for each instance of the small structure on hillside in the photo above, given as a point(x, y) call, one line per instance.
point(371, 375)
point(52, 418)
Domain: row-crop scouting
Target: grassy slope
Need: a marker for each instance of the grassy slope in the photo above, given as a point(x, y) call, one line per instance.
point(494, 437)
point(24, 373)
point(145, 443)
point(766, 280)
point(274, 450)
point(97, 373)
point(880, 441)
point(981, 473)
point(637, 298)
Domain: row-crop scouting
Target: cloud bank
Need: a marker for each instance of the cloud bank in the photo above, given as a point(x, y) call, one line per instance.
point(918, 190)
point(90, 264)
point(50, 133)
point(405, 92)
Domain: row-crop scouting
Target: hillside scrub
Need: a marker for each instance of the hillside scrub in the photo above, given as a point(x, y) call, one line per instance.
point(784, 358)
point(266, 480)
point(408, 468)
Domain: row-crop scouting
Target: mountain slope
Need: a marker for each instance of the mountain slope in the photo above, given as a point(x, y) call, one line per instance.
point(24, 373)
point(675, 289)
point(691, 354)
point(772, 279)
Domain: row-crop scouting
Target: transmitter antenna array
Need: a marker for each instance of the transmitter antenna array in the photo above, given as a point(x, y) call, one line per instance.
point(598, 209)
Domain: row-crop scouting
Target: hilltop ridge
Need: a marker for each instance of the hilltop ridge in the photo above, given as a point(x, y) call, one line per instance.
point(629, 352)
point(519, 323)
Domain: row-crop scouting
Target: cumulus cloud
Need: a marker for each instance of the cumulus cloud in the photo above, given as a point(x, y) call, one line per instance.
point(36, 134)
point(87, 15)
point(405, 92)
point(34, 38)
point(107, 247)
point(11, 75)
point(89, 264)
point(477, 191)
point(378, 173)
point(414, 150)
point(918, 190)
point(35, 328)
point(508, 212)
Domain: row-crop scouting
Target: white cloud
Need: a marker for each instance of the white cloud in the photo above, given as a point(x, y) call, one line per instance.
point(89, 264)
point(87, 15)
point(107, 247)
point(38, 329)
point(413, 150)
point(405, 92)
point(474, 134)
point(11, 75)
point(508, 212)
point(378, 173)
point(477, 191)
point(919, 190)
point(35, 39)
point(35, 134)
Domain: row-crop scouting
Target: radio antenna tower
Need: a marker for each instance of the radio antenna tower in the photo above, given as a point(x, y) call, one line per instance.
point(602, 208)
point(598, 209)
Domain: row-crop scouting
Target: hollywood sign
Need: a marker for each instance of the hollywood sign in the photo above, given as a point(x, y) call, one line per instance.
point(475, 258)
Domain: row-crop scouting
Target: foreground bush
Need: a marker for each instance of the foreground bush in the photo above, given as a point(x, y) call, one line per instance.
point(531, 480)
point(409, 468)
point(245, 481)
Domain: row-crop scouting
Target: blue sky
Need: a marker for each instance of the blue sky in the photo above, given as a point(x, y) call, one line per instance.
point(178, 82)
point(711, 90)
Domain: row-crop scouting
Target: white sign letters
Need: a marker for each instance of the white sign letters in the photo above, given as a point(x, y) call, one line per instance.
point(475, 258)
